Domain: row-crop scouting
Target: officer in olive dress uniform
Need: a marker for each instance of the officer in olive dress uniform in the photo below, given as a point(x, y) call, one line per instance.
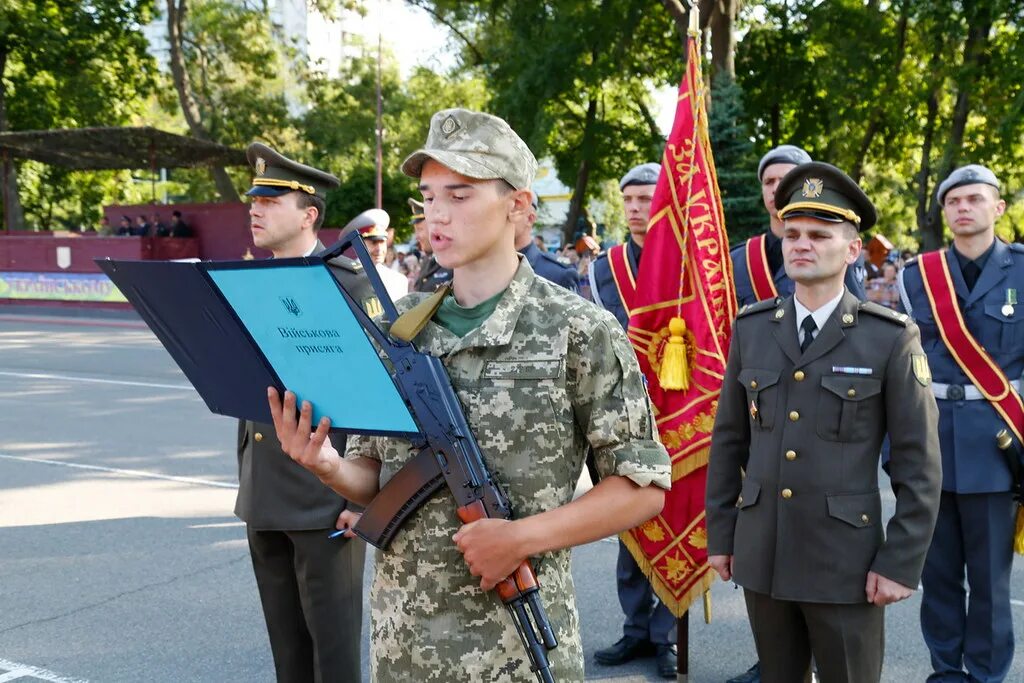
point(770, 170)
point(310, 585)
point(432, 275)
point(542, 262)
point(813, 384)
point(647, 629)
point(970, 637)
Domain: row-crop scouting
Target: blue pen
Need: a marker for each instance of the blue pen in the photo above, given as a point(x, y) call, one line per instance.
point(335, 534)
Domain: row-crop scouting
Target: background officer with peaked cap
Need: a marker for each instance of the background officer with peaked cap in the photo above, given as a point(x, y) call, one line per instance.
point(543, 263)
point(310, 586)
point(770, 171)
point(970, 637)
point(432, 275)
point(813, 384)
point(646, 631)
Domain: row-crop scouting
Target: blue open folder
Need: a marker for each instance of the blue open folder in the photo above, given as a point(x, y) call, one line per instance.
point(237, 327)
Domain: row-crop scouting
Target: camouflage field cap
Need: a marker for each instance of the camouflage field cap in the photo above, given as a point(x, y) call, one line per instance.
point(476, 145)
point(822, 191)
point(276, 175)
point(416, 208)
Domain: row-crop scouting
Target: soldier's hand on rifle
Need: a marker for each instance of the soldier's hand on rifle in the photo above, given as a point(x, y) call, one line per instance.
point(311, 449)
point(491, 548)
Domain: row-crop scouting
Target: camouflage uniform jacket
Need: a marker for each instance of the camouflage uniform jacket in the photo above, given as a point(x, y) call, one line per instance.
point(546, 375)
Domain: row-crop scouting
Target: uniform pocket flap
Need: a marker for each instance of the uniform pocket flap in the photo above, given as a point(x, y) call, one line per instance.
point(996, 311)
point(523, 368)
point(852, 388)
point(748, 494)
point(856, 509)
point(756, 380)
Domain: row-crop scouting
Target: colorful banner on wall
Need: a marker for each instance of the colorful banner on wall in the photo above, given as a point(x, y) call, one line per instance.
point(94, 287)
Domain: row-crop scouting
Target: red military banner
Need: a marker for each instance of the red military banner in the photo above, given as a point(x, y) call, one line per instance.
point(680, 328)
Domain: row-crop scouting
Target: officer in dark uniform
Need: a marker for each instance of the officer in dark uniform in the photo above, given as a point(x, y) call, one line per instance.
point(647, 630)
point(542, 262)
point(432, 275)
point(970, 637)
point(772, 168)
point(310, 585)
point(814, 383)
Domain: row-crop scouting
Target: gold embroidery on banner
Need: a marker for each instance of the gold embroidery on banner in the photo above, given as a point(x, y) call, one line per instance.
point(653, 531)
point(699, 538)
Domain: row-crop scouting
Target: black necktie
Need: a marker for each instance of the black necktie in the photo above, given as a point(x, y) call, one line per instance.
point(971, 273)
point(809, 327)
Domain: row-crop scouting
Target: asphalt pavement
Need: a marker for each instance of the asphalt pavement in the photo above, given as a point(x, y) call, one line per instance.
point(121, 560)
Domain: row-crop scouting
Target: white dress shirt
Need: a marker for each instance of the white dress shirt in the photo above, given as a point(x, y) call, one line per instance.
point(820, 316)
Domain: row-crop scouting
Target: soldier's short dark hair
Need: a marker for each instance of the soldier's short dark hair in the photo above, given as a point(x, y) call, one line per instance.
point(304, 201)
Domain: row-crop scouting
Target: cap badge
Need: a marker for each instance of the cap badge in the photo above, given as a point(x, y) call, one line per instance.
point(261, 165)
point(812, 188)
point(449, 126)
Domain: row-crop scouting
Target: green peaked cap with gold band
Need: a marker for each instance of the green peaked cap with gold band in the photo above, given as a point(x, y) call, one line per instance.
point(276, 174)
point(822, 191)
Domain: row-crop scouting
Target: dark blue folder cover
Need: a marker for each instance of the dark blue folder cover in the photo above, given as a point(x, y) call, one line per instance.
point(236, 328)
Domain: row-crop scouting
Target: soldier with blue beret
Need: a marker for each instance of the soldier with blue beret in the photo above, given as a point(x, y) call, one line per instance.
point(757, 262)
point(543, 263)
point(646, 631)
point(970, 634)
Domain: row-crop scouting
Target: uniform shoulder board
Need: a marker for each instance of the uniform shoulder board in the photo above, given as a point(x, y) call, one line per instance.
point(766, 305)
point(1014, 246)
point(554, 259)
point(884, 313)
point(346, 263)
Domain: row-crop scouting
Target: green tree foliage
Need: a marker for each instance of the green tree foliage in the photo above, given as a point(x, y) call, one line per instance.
point(735, 161)
point(898, 93)
point(339, 130)
point(572, 77)
point(68, 64)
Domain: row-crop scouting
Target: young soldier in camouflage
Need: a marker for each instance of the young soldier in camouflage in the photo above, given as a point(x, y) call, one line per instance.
point(542, 375)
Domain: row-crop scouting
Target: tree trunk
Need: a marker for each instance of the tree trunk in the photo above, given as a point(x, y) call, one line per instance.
point(176, 11)
point(931, 238)
point(876, 121)
point(723, 38)
point(582, 176)
point(13, 216)
point(975, 55)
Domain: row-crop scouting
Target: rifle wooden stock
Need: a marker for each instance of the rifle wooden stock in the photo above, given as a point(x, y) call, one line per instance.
point(411, 486)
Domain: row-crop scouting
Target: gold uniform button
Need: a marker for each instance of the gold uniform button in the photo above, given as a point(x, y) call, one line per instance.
point(790, 455)
point(865, 519)
point(787, 494)
point(794, 416)
point(258, 436)
point(799, 375)
point(851, 393)
point(753, 384)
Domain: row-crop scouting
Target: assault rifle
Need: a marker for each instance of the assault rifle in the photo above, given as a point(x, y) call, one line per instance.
point(448, 455)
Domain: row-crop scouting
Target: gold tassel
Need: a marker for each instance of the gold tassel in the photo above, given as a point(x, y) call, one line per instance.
point(1018, 537)
point(674, 373)
point(707, 606)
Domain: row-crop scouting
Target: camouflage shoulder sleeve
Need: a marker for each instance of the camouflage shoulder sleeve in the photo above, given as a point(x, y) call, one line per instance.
point(363, 446)
point(611, 404)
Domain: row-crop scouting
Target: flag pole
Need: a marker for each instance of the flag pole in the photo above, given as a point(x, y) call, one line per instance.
point(683, 620)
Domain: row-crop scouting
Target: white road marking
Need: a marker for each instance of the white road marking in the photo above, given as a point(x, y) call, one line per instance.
point(16, 671)
point(1017, 603)
point(127, 473)
point(96, 380)
point(218, 525)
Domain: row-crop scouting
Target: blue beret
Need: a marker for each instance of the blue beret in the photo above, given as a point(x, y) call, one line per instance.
point(783, 154)
point(644, 174)
point(967, 175)
point(534, 201)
